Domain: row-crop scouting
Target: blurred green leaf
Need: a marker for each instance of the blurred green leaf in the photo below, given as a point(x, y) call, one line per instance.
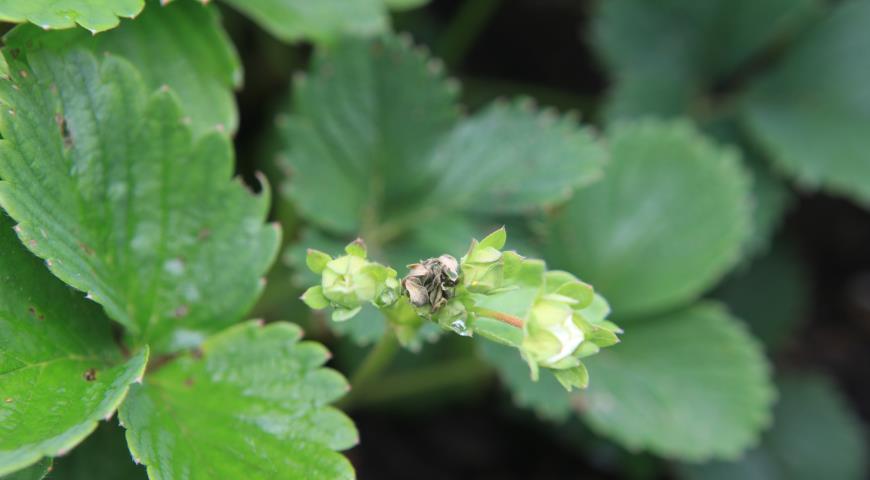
point(691, 385)
point(511, 159)
point(361, 126)
point(60, 369)
point(85, 161)
point(809, 112)
point(182, 46)
point(389, 160)
point(771, 197)
point(663, 54)
point(95, 15)
point(815, 435)
point(374, 145)
point(321, 20)
point(253, 403)
point(546, 397)
point(37, 471)
point(668, 220)
point(102, 456)
point(771, 295)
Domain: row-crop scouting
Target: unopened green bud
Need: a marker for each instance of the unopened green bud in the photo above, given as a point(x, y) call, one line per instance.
point(350, 281)
point(552, 336)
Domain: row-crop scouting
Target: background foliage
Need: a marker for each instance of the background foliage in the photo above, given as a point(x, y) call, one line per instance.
point(702, 164)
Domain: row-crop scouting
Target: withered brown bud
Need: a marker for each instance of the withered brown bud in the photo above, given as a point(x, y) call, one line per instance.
point(431, 282)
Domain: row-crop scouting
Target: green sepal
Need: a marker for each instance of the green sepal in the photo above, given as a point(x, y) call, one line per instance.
point(577, 377)
point(597, 311)
point(494, 240)
point(316, 260)
point(601, 337)
point(343, 314)
point(519, 270)
point(313, 297)
point(357, 248)
point(586, 349)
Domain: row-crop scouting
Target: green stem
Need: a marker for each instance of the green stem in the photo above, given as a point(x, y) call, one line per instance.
point(375, 362)
point(500, 316)
point(460, 373)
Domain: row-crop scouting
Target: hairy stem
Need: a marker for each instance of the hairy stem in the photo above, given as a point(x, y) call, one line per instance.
point(500, 316)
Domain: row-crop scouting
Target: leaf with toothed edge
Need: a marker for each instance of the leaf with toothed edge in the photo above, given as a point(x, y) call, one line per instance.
point(60, 369)
point(182, 45)
point(667, 221)
point(380, 111)
point(253, 403)
point(511, 159)
point(809, 111)
point(87, 162)
point(815, 434)
point(691, 385)
point(665, 56)
point(94, 15)
point(360, 125)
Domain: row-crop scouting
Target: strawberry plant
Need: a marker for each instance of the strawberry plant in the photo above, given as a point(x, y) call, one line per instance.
point(618, 292)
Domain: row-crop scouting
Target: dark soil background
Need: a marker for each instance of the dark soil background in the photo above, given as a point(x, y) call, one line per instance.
point(539, 48)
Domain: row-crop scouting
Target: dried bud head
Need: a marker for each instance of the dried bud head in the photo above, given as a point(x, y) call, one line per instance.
point(431, 282)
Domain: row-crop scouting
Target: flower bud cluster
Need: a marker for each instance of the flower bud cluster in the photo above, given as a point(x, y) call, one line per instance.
point(350, 281)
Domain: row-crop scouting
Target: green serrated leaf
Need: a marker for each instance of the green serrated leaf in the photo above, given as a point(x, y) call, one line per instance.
point(253, 404)
point(664, 55)
point(182, 46)
point(808, 112)
point(771, 197)
point(85, 165)
point(364, 118)
point(104, 456)
point(94, 15)
point(37, 471)
point(810, 407)
point(60, 369)
point(401, 159)
point(483, 165)
point(676, 379)
point(665, 224)
point(546, 397)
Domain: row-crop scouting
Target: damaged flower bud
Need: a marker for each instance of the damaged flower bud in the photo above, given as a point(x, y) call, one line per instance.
point(432, 282)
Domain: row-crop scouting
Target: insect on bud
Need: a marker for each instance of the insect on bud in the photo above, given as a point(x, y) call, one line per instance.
point(431, 282)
